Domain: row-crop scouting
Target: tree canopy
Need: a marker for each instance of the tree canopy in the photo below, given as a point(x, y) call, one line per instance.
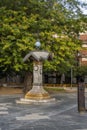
point(56, 23)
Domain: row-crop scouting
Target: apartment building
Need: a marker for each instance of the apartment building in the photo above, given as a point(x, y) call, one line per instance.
point(83, 59)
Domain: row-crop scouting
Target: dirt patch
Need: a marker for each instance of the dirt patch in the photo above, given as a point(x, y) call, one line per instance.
point(8, 90)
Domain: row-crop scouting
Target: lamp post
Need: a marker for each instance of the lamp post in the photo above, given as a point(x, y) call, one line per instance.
point(80, 88)
point(71, 76)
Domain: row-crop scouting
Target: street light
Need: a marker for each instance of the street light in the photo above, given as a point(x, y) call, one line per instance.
point(80, 88)
point(71, 76)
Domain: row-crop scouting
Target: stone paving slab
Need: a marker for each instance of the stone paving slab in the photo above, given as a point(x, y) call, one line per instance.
point(61, 115)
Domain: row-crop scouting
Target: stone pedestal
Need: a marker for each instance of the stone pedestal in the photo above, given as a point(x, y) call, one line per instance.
point(37, 94)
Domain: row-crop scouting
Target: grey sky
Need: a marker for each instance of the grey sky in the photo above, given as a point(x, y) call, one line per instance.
point(85, 9)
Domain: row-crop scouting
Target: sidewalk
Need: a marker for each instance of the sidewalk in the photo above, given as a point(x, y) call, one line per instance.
point(73, 89)
point(60, 115)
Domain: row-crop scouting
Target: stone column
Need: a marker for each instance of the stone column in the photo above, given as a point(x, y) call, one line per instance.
point(37, 91)
point(37, 73)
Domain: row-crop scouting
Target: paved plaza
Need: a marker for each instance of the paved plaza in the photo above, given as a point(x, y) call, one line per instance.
point(60, 115)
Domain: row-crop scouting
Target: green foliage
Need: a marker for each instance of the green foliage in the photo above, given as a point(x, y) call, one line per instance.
point(56, 23)
point(80, 71)
point(15, 39)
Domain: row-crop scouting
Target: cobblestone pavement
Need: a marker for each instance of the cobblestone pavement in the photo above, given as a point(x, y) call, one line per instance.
point(61, 115)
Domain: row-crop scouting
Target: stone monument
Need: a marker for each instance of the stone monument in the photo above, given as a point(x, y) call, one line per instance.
point(37, 94)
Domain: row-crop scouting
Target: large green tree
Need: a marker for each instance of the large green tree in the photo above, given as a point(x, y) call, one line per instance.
point(56, 23)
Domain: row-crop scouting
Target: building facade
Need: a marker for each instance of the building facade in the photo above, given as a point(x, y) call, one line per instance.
point(83, 59)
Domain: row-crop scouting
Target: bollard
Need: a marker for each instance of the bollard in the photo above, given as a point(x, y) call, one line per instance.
point(81, 95)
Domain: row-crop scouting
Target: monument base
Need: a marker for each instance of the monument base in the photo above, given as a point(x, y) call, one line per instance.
point(34, 101)
point(36, 95)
